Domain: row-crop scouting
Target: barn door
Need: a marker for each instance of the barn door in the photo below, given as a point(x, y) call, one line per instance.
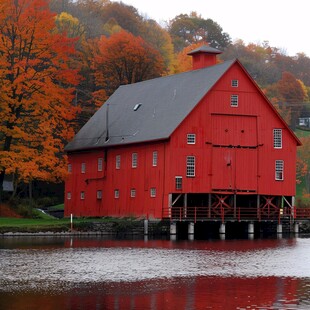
point(234, 153)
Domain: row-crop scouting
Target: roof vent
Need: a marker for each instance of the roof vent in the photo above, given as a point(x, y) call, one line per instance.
point(137, 106)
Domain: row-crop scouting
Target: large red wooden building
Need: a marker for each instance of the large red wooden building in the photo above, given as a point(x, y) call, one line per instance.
point(206, 141)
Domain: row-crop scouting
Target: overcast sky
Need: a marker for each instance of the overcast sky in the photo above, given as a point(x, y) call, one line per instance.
point(285, 24)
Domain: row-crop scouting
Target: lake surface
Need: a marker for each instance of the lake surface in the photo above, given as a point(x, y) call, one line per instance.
point(97, 273)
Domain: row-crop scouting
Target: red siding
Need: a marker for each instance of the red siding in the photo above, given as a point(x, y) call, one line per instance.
point(233, 151)
point(142, 179)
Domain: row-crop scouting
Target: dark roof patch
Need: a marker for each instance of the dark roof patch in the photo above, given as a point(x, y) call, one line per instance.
point(166, 103)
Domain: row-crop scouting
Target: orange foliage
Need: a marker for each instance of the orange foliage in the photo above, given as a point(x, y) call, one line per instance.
point(125, 59)
point(35, 91)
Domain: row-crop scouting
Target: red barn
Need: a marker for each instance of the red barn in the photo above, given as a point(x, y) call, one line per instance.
point(206, 141)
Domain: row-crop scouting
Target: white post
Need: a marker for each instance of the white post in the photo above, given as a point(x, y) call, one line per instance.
point(71, 221)
point(222, 228)
point(251, 228)
point(296, 228)
point(146, 227)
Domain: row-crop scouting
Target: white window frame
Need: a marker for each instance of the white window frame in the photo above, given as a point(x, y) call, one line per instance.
point(234, 83)
point(133, 193)
point(153, 192)
point(83, 168)
point(116, 193)
point(134, 160)
point(279, 170)
point(69, 168)
point(68, 195)
point(99, 194)
point(100, 164)
point(118, 162)
point(155, 158)
point(191, 138)
point(190, 166)
point(277, 138)
point(234, 101)
point(178, 183)
point(82, 195)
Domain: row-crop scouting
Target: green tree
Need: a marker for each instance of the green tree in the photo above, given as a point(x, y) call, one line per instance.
point(190, 29)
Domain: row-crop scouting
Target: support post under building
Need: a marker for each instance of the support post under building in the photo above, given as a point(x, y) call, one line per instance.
point(222, 229)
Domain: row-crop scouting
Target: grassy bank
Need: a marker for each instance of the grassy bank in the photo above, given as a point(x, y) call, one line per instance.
point(48, 224)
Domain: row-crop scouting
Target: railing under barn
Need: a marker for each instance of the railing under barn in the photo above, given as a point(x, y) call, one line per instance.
point(237, 214)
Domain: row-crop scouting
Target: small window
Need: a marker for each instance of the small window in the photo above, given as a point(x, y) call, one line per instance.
point(100, 163)
point(234, 100)
point(116, 193)
point(178, 183)
point(99, 194)
point(133, 193)
point(82, 195)
point(234, 83)
point(153, 192)
point(83, 168)
point(277, 138)
point(279, 170)
point(137, 106)
point(155, 157)
point(190, 166)
point(69, 168)
point(191, 138)
point(134, 160)
point(69, 195)
point(118, 161)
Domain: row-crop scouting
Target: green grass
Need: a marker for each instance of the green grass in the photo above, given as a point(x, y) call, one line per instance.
point(59, 207)
point(302, 133)
point(56, 225)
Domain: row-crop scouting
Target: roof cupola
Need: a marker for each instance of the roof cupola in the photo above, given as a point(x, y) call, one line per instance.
point(204, 56)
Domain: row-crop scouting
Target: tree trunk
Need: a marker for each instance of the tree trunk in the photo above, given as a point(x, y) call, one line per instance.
point(2, 175)
point(30, 189)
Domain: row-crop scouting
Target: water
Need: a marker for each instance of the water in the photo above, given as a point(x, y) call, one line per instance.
point(65, 273)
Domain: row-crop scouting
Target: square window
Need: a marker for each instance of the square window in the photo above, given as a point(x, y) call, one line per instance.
point(100, 164)
point(234, 83)
point(133, 193)
point(178, 183)
point(82, 195)
point(116, 193)
point(277, 138)
point(134, 160)
point(279, 170)
point(234, 101)
point(191, 138)
point(118, 162)
point(190, 166)
point(153, 192)
point(69, 168)
point(83, 168)
point(155, 157)
point(99, 194)
point(69, 195)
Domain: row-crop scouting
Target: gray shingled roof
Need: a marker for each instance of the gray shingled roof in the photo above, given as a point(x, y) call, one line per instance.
point(165, 103)
point(205, 49)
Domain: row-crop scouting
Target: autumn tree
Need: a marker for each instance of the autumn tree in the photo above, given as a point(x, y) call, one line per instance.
point(35, 92)
point(190, 29)
point(160, 40)
point(124, 59)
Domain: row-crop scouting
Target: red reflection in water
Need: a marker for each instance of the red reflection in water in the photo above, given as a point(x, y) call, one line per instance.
point(186, 293)
point(214, 245)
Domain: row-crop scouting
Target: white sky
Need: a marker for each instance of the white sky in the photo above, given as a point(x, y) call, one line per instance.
point(284, 23)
